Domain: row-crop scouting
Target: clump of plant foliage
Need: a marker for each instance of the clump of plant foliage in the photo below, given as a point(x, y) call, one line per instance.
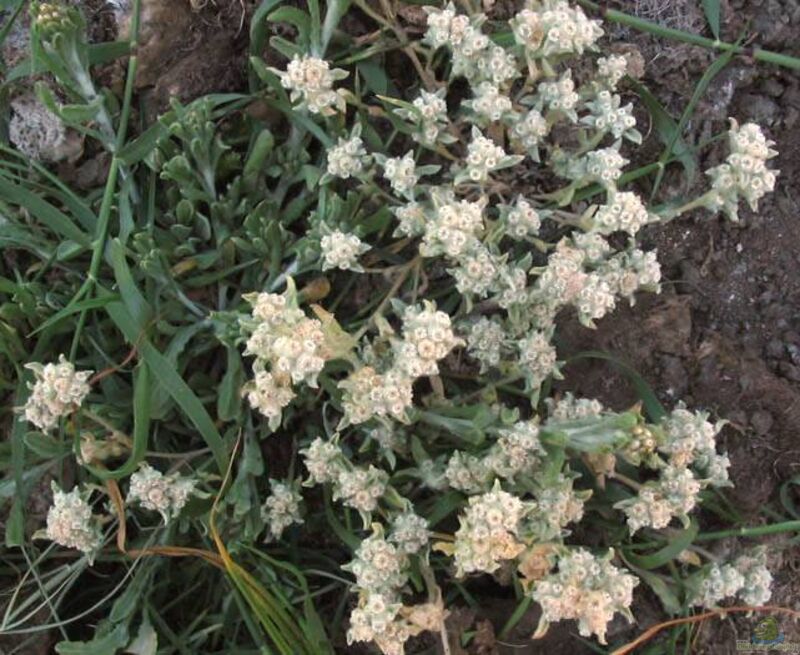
point(318, 355)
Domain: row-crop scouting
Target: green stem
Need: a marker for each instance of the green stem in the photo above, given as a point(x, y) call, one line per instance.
point(103, 219)
point(775, 528)
point(695, 39)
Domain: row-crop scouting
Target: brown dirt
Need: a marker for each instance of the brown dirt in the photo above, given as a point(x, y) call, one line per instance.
point(725, 333)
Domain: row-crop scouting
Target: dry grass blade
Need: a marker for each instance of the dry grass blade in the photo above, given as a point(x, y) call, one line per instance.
point(648, 634)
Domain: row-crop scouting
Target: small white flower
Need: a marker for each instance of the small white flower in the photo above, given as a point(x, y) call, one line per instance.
point(281, 508)
point(340, 250)
point(744, 172)
point(410, 533)
point(488, 104)
point(483, 157)
point(485, 341)
point(623, 212)
point(58, 391)
point(361, 488)
point(489, 532)
point(347, 158)
point(269, 397)
point(522, 219)
point(323, 460)
point(400, 172)
point(611, 69)
point(70, 522)
point(537, 357)
point(427, 337)
point(588, 589)
point(165, 494)
point(309, 81)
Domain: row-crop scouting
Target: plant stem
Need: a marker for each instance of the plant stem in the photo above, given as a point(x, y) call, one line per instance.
point(104, 217)
point(774, 528)
point(695, 39)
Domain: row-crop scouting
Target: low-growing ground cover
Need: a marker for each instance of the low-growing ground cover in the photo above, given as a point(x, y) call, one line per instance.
point(318, 335)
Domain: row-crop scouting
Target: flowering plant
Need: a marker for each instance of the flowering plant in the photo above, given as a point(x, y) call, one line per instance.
point(388, 312)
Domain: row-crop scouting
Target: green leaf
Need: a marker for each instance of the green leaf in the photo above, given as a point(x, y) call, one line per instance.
point(43, 211)
point(229, 403)
point(667, 597)
point(667, 129)
point(45, 445)
point(173, 383)
point(103, 645)
point(141, 427)
point(712, 12)
point(677, 544)
point(294, 16)
point(61, 314)
point(375, 76)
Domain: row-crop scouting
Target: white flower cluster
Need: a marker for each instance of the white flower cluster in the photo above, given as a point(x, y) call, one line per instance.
point(427, 337)
point(454, 229)
point(557, 505)
point(657, 503)
point(488, 104)
point(410, 218)
point(485, 156)
point(410, 533)
point(561, 95)
point(570, 408)
point(537, 357)
point(474, 55)
point(428, 115)
point(347, 158)
point(747, 577)
point(488, 532)
point(165, 494)
point(58, 391)
point(553, 27)
point(608, 116)
point(624, 212)
point(485, 341)
point(281, 508)
point(357, 487)
point(744, 173)
point(401, 174)
point(70, 522)
point(340, 250)
point(528, 130)
point(588, 589)
point(516, 452)
point(381, 571)
point(611, 69)
point(309, 81)
point(689, 442)
point(522, 219)
point(367, 393)
point(361, 488)
point(288, 343)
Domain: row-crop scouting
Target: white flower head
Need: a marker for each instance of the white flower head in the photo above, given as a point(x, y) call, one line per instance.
point(57, 392)
point(165, 494)
point(70, 522)
point(348, 157)
point(341, 250)
point(309, 81)
point(281, 508)
point(588, 589)
point(401, 174)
